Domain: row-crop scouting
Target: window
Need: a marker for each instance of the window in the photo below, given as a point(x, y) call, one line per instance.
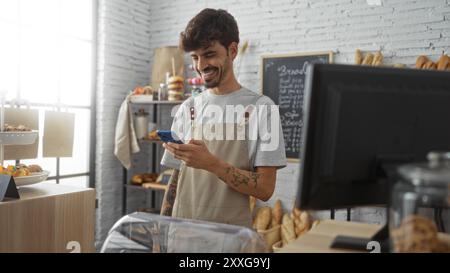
point(47, 56)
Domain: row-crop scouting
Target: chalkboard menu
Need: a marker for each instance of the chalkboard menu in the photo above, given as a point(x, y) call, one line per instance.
point(283, 80)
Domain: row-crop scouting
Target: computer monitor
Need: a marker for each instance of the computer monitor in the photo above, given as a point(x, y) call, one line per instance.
point(360, 123)
point(360, 120)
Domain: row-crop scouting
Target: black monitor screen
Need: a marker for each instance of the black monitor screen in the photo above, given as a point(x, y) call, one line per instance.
point(359, 118)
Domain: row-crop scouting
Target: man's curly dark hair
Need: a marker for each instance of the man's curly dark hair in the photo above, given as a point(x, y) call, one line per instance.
point(208, 26)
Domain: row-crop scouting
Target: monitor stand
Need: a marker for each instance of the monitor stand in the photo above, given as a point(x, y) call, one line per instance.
point(364, 244)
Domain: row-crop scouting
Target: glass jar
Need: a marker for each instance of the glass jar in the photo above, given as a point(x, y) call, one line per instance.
point(141, 121)
point(419, 218)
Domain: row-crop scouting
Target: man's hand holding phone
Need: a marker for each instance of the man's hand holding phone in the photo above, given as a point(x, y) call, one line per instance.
point(194, 154)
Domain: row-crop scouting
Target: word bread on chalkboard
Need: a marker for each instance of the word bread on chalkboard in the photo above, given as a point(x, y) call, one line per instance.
point(283, 80)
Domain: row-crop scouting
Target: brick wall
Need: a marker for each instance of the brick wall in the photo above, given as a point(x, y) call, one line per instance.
point(123, 63)
point(402, 29)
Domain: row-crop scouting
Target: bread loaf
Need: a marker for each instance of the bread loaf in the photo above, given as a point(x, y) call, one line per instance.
point(377, 59)
point(443, 62)
point(263, 218)
point(368, 59)
point(358, 57)
point(287, 230)
point(252, 203)
point(429, 65)
point(421, 60)
point(277, 214)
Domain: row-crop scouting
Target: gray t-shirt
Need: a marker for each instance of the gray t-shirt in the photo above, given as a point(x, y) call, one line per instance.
point(266, 144)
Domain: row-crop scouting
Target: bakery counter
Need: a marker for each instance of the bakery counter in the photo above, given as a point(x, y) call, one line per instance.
point(48, 218)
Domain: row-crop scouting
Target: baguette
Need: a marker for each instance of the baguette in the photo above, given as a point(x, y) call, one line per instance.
point(277, 214)
point(421, 60)
point(368, 59)
point(429, 65)
point(358, 57)
point(377, 59)
point(262, 219)
point(287, 230)
point(443, 62)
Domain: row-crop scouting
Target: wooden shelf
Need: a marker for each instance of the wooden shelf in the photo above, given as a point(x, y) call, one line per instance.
point(148, 186)
point(140, 99)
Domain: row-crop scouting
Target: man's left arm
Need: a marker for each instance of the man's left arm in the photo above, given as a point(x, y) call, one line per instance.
point(195, 154)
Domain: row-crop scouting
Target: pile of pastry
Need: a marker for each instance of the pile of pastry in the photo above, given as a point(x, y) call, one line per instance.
point(423, 62)
point(20, 170)
point(11, 128)
point(176, 88)
point(139, 179)
point(370, 59)
point(143, 90)
point(417, 234)
point(279, 228)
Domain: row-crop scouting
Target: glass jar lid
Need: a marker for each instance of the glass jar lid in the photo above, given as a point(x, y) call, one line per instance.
point(434, 173)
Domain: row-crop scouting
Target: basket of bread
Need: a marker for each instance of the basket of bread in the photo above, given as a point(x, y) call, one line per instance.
point(280, 228)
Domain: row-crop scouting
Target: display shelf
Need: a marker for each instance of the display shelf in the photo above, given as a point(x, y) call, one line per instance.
point(145, 99)
point(18, 138)
point(148, 186)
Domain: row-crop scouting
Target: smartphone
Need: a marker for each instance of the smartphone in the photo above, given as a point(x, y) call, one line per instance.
point(169, 136)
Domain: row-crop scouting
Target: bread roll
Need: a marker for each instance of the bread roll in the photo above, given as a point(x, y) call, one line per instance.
point(287, 230)
point(377, 59)
point(399, 65)
point(429, 65)
point(277, 214)
point(176, 86)
point(263, 218)
point(421, 60)
point(137, 179)
point(358, 57)
point(175, 79)
point(252, 203)
point(368, 59)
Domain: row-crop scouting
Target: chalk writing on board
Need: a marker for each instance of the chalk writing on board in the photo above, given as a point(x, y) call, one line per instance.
point(284, 82)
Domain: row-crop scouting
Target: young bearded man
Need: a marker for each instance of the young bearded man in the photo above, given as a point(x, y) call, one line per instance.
point(224, 159)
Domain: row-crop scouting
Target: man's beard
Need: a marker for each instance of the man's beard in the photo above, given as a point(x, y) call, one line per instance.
point(218, 78)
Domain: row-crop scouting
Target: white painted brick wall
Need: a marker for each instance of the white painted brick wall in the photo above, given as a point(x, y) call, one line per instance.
point(402, 29)
point(123, 63)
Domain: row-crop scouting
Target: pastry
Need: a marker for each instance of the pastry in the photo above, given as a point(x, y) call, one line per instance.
point(421, 60)
point(148, 90)
point(287, 230)
point(429, 65)
point(263, 218)
point(443, 63)
point(277, 214)
point(358, 57)
point(137, 179)
point(34, 168)
point(377, 59)
point(368, 59)
point(176, 86)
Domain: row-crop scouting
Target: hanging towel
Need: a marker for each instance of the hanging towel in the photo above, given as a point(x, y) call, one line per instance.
point(126, 143)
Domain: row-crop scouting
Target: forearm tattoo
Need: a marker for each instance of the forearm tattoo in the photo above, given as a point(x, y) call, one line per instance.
point(238, 178)
point(171, 193)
